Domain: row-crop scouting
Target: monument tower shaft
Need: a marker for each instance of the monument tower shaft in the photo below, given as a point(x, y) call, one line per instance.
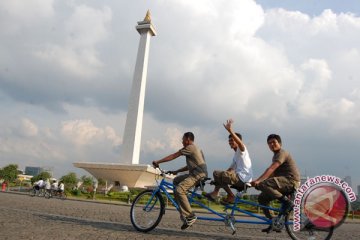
point(132, 175)
point(133, 126)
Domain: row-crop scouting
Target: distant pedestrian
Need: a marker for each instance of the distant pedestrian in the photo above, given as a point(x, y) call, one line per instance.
point(39, 184)
point(47, 185)
point(95, 186)
point(61, 188)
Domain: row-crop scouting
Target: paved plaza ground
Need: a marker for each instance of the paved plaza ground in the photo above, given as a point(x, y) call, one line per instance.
point(25, 217)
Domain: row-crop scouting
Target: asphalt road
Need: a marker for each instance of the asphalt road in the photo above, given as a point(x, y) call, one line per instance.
point(25, 217)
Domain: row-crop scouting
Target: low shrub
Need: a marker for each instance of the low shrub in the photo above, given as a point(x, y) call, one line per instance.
point(75, 192)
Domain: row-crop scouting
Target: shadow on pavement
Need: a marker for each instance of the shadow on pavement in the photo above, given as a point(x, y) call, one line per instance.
point(160, 233)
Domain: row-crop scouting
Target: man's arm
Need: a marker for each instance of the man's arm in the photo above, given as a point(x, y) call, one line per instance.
point(228, 127)
point(266, 174)
point(183, 169)
point(166, 159)
point(231, 167)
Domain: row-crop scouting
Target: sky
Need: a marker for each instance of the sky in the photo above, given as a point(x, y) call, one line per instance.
point(285, 67)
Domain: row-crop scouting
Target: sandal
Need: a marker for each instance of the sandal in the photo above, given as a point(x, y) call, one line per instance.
point(226, 201)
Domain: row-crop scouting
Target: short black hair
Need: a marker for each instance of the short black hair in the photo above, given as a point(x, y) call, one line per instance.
point(277, 137)
point(189, 135)
point(237, 134)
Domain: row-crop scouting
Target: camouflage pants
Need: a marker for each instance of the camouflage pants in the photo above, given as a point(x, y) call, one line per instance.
point(274, 188)
point(182, 185)
point(224, 178)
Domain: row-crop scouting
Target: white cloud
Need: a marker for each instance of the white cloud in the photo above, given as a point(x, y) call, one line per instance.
point(25, 142)
point(31, 150)
point(87, 26)
point(153, 145)
point(112, 136)
point(80, 62)
point(28, 128)
point(30, 10)
point(316, 77)
point(173, 138)
point(345, 106)
point(84, 132)
point(84, 29)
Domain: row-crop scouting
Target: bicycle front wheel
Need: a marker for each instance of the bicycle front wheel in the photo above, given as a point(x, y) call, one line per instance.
point(147, 210)
point(307, 229)
point(41, 193)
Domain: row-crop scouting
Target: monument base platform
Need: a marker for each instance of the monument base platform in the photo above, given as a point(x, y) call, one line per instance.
point(130, 175)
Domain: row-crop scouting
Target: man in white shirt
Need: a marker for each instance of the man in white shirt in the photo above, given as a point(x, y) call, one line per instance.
point(61, 187)
point(39, 184)
point(47, 185)
point(54, 186)
point(238, 174)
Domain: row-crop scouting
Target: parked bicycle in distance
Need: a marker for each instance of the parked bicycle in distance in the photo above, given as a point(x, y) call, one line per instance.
point(148, 208)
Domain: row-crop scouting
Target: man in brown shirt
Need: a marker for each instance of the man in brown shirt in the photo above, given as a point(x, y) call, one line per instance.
point(195, 164)
point(279, 179)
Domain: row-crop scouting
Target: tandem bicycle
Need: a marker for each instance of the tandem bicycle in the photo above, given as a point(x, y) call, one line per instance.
point(54, 193)
point(148, 209)
point(37, 191)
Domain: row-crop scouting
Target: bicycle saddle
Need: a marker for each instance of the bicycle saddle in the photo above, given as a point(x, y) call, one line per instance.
point(246, 186)
point(202, 182)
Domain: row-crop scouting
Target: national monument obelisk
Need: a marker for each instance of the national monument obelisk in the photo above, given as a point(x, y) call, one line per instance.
point(130, 149)
point(134, 174)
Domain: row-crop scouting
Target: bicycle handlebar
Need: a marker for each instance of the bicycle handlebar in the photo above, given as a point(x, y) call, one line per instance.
point(163, 172)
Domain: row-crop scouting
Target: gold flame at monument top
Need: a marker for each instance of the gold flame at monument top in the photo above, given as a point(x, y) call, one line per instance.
point(147, 16)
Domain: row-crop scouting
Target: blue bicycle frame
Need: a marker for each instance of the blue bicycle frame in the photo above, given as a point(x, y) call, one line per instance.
point(148, 208)
point(165, 185)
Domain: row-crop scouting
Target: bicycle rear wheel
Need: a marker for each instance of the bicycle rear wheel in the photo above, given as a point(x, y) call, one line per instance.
point(47, 194)
point(307, 230)
point(63, 196)
point(32, 192)
point(147, 210)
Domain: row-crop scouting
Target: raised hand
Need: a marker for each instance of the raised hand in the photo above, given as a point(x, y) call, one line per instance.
point(228, 124)
point(155, 164)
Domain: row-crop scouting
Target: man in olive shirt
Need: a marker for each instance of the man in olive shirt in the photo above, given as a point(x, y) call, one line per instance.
point(195, 164)
point(280, 178)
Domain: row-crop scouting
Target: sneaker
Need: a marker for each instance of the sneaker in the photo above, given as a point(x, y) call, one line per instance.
point(188, 221)
point(227, 200)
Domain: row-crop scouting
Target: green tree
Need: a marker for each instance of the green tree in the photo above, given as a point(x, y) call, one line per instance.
point(87, 181)
point(101, 182)
point(9, 173)
point(70, 180)
point(42, 175)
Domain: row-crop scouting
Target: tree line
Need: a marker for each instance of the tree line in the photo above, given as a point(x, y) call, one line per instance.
point(9, 174)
